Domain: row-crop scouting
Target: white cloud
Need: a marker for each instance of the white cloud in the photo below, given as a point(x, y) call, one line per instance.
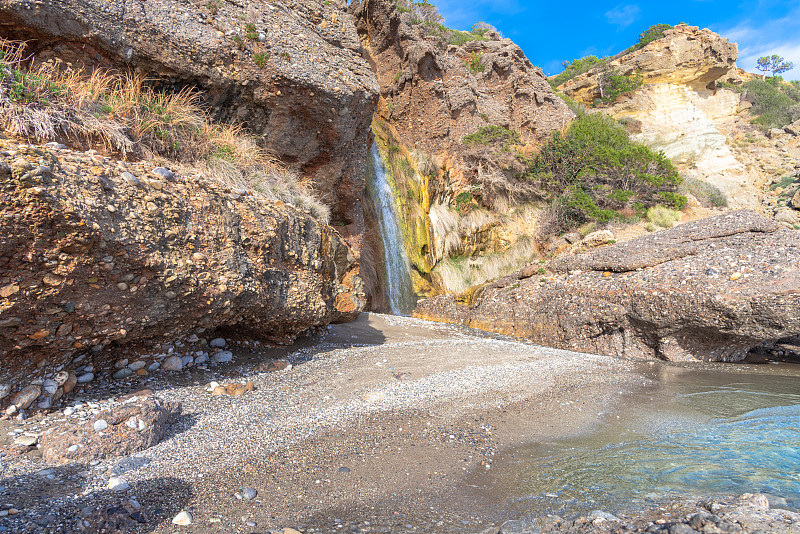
point(623, 15)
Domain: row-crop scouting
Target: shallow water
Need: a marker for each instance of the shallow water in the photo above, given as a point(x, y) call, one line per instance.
point(696, 432)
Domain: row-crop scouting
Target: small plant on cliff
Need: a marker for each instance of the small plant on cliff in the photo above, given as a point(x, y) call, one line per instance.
point(653, 33)
point(594, 172)
point(474, 63)
point(493, 135)
point(612, 84)
point(125, 114)
point(574, 68)
point(261, 59)
point(252, 32)
point(663, 216)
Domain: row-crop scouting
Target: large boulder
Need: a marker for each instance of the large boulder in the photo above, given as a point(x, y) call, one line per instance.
point(95, 252)
point(135, 424)
point(709, 290)
point(291, 71)
point(686, 55)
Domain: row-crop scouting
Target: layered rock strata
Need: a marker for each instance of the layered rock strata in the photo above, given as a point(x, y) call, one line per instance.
point(709, 290)
point(96, 252)
point(290, 71)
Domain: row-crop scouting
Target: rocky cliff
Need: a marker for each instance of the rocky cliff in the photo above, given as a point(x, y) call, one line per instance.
point(703, 129)
point(710, 290)
point(438, 86)
point(97, 253)
point(290, 71)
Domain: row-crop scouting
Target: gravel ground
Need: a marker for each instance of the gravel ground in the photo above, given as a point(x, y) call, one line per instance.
point(373, 428)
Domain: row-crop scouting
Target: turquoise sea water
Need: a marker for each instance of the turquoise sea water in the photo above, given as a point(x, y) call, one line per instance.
point(695, 433)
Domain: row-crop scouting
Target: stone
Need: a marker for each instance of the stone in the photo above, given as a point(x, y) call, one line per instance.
point(600, 515)
point(85, 378)
point(776, 133)
point(45, 403)
point(788, 216)
point(271, 366)
point(795, 201)
point(81, 442)
point(100, 425)
point(186, 360)
point(118, 484)
point(61, 378)
point(599, 238)
point(183, 518)
point(660, 303)
point(164, 173)
point(223, 356)
point(70, 382)
point(26, 441)
point(173, 363)
point(135, 366)
point(218, 343)
point(249, 494)
point(125, 372)
point(793, 129)
point(130, 178)
point(5, 391)
point(26, 396)
point(203, 358)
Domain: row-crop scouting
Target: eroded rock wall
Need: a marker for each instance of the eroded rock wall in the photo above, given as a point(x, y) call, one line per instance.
point(291, 71)
point(708, 290)
point(96, 252)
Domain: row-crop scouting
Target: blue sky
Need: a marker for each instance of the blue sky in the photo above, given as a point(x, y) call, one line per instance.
point(551, 32)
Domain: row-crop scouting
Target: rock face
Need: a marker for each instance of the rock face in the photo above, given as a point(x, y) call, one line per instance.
point(431, 96)
point(434, 94)
point(132, 427)
point(709, 289)
point(703, 129)
point(291, 71)
point(686, 55)
point(88, 259)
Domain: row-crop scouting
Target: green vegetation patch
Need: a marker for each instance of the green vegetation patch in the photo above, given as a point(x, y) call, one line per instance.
point(493, 135)
point(594, 172)
point(775, 103)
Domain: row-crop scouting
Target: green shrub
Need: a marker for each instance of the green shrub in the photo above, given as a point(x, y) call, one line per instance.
point(493, 135)
point(261, 59)
point(594, 172)
point(474, 63)
point(663, 216)
point(653, 33)
point(707, 194)
point(613, 84)
point(459, 38)
point(774, 104)
point(574, 68)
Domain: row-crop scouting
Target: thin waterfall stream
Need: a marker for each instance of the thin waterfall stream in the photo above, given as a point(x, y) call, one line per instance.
point(399, 290)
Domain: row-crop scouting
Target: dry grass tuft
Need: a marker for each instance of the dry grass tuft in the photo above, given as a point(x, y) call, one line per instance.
point(125, 115)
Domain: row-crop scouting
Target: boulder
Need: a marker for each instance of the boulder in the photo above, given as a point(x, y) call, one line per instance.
point(709, 289)
point(269, 269)
point(311, 100)
point(135, 425)
point(686, 55)
point(793, 129)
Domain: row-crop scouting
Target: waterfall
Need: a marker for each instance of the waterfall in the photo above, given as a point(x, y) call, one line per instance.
point(399, 289)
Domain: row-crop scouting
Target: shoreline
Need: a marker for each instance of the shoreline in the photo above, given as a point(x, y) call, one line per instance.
point(381, 418)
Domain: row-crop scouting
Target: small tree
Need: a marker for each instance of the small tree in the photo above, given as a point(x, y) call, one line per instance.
point(653, 33)
point(774, 64)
